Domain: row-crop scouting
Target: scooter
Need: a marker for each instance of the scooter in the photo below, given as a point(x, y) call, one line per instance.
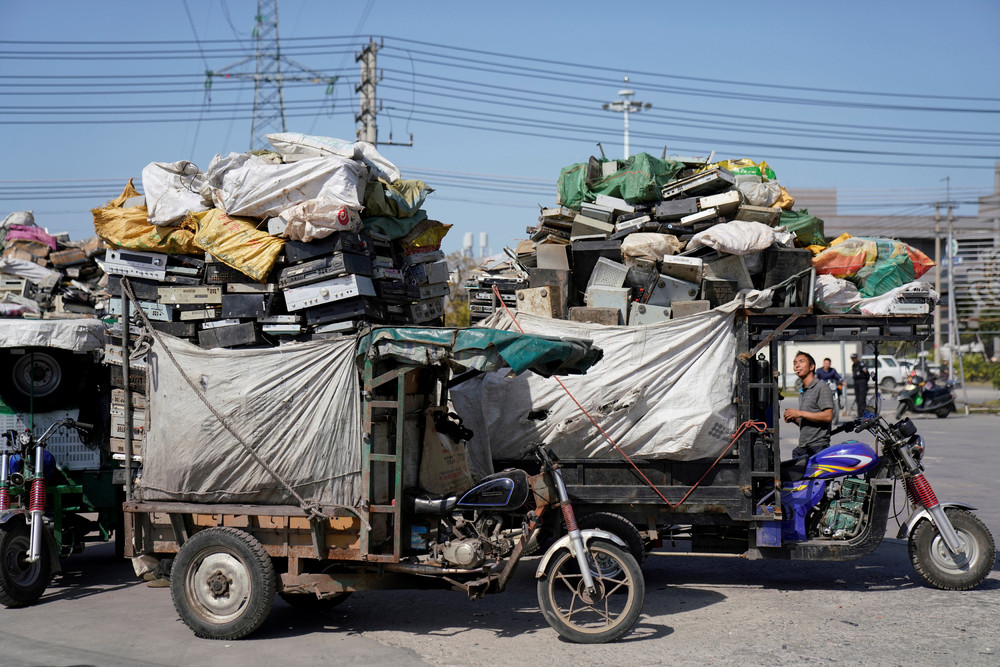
point(919, 396)
point(833, 498)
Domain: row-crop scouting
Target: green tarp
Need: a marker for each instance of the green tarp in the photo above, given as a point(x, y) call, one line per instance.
point(479, 349)
point(637, 179)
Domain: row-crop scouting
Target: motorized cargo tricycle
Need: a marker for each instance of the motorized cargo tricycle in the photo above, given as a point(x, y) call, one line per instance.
point(226, 561)
point(834, 506)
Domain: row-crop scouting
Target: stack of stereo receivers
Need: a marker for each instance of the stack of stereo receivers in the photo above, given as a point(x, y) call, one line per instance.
point(319, 289)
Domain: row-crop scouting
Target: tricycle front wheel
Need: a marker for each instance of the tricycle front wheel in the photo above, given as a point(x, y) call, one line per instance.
point(21, 582)
point(593, 617)
point(935, 563)
point(222, 583)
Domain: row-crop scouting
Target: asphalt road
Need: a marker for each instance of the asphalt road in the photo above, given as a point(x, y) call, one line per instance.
point(698, 610)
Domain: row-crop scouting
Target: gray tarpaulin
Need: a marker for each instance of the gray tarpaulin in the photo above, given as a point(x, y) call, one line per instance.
point(663, 391)
point(77, 335)
point(298, 404)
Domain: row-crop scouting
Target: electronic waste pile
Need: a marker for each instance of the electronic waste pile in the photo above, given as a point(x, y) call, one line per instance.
point(314, 239)
point(46, 275)
point(645, 240)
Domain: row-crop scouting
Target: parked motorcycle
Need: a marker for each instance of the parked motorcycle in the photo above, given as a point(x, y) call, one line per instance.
point(590, 588)
point(833, 496)
point(918, 395)
point(28, 551)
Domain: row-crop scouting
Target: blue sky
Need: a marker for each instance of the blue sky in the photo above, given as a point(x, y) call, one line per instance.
point(880, 100)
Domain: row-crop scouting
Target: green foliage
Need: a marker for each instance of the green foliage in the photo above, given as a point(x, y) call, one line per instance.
point(978, 369)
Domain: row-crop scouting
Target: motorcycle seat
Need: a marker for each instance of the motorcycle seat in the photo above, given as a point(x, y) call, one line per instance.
point(794, 469)
point(427, 504)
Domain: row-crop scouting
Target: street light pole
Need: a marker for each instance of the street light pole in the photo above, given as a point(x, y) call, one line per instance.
point(626, 106)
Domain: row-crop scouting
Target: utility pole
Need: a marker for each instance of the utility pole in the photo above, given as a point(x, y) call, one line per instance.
point(937, 281)
point(627, 106)
point(368, 130)
point(268, 77)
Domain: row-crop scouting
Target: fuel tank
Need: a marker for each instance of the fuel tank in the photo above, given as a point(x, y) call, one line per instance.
point(847, 458)
point(503, 491)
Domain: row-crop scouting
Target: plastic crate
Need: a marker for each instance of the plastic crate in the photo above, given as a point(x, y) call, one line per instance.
point(64, 444)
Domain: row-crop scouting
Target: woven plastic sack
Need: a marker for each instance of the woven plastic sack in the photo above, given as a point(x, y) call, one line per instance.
point(746, 167)
point(784, 200)
point(845, 259)
point(426, 235)
point(648, 245)
point(400, 199)
point(739, 237)
point(31, 233)
point(808, 229)
point(318, 218)
point(237, 243)
point(128, 228)
point(883, 275)
point(835, 295)
point(640, 178)
point(173, 189)
point(248, 185)
point(294, 146)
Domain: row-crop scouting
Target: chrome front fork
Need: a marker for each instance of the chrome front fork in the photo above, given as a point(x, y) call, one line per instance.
point(577, 547)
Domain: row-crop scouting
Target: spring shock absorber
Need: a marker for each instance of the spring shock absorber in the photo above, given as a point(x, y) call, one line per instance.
point(4, 481)
point(920, 493)
point(36, 505)
point(8, 442)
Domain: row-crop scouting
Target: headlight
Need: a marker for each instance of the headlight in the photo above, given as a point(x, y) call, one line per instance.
point(24, 439)
point(917, 448)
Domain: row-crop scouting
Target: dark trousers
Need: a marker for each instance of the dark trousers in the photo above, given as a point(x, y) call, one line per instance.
point(861, 397)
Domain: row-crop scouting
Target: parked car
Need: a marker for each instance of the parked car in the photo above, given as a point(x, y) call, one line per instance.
point(889, 371)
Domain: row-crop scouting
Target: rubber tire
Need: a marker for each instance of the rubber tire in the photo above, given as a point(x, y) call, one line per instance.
point(56, 363)
point(312, 604)
point(620, 526)
point(928, 552)
point(941, 413)
point(887, 384)
point(240, 554)
point(563, 564)
point(901, 410)
point(21, 583)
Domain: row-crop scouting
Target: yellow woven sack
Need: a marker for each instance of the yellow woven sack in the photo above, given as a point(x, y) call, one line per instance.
point(237, 242)
point(129, 228)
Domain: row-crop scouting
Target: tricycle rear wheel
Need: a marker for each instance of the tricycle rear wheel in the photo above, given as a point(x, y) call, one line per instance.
point(21, 582)
point(935, 563)
point(222, 583)
point(592, 619)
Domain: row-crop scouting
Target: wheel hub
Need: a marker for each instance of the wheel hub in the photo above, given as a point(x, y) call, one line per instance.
point(593, 595)
point(953, 561)
point(219, 584)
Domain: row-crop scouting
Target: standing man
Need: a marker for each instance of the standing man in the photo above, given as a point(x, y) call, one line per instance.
point(860, 375)
point(815, 408)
